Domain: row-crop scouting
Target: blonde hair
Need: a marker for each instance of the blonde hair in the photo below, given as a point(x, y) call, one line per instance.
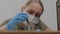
point(34, 1)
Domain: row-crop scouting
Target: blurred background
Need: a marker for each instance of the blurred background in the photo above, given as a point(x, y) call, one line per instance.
point(9, 8)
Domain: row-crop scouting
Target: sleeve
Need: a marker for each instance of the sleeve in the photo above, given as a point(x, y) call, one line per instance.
point(42, 26)
point(5, 22)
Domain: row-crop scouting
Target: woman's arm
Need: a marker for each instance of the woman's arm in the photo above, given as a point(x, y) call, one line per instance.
point(3, 25)
point(5, 22)
point(3, 28)
point(16, 20)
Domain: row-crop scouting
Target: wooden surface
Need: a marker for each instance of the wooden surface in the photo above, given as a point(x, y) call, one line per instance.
point(23, 32)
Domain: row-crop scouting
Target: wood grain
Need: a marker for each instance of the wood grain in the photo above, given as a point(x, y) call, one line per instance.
point(22, 32)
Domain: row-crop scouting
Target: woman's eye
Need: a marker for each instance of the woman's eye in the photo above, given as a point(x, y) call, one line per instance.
point(31, 12)
point(37, 15)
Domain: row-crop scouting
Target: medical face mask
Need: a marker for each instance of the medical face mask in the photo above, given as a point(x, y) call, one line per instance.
point(32, 19)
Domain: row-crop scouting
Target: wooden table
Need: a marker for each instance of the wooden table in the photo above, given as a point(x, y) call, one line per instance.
point(24, 32)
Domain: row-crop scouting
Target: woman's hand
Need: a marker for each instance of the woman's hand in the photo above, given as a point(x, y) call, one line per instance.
point(19, 18)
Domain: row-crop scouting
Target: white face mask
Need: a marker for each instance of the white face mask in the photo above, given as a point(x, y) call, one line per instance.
point(32, 19)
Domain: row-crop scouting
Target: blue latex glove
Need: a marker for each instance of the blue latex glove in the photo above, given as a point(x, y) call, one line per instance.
point(16, 20)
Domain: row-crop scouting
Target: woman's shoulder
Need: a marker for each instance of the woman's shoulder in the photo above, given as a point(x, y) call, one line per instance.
point(42, 25)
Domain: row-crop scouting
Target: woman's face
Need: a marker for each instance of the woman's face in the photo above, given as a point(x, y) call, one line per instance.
point(34, 9)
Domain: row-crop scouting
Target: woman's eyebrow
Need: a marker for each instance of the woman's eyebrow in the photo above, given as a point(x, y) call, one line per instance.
point(38, 13)
point(31, 10)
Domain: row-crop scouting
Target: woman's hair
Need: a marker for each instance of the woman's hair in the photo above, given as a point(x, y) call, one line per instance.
point(34, 1)
point(41, 6)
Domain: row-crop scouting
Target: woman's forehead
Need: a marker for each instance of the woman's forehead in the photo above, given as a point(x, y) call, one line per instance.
point(35, 7)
